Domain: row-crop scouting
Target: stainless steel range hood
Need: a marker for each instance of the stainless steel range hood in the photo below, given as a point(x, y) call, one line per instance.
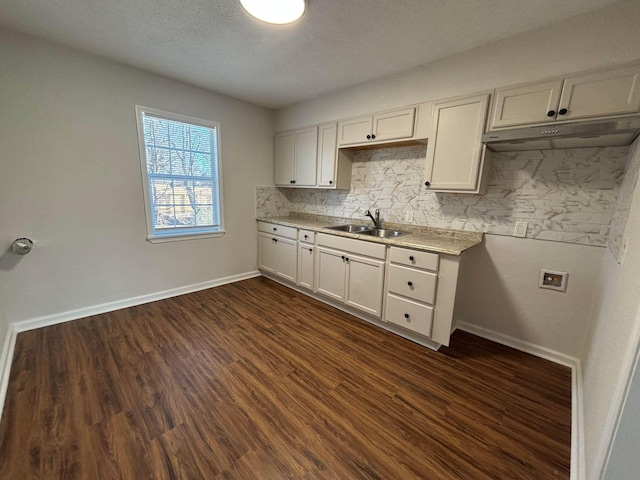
point(602, 133)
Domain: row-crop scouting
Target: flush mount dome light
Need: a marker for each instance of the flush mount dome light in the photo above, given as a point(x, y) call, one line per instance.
point(275, 11)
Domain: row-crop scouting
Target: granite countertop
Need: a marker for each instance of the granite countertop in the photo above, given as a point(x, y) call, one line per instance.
point(441, 240)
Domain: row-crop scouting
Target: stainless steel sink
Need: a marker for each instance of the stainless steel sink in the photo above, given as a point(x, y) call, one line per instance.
point(350, 228)
point(383, 233)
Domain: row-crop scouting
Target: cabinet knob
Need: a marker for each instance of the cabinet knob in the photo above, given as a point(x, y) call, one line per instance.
point(275, 229)
point(306, 236)
point(410, 284)
point(346, 259)
point(275, 240)
point(427, 184)
point(290, 181)
point(343, 257)
point(373, 137)
point(551, 113)
point(406, 315)
point(368, 137)
point(411, 258)
point(330, 182)
point(562, 111)
point(293, 181)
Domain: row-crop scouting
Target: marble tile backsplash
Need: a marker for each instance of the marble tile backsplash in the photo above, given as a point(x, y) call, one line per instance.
point(565, 195)
point(625, 197)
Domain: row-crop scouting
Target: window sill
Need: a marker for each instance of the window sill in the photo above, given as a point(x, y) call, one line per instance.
point(184, 236)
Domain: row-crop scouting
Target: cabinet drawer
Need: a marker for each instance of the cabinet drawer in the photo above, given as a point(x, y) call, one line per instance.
point(408, 314)
point(287, 232)
point(307, 236)
point(361, 247)
point(413, 258)
point(413, 283)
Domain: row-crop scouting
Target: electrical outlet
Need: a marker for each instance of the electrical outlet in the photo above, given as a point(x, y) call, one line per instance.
point(408, 216)
point(553, 280)
point(521, 229)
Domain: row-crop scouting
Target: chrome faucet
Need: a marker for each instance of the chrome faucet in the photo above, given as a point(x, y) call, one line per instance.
point(376, 219)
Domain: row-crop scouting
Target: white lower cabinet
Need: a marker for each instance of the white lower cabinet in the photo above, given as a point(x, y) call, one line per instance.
point(278, 250)
point(365, 278)
point(411, 289)
point(306, 258)
point(355, 279)
point(408, 314)
point(331, 273)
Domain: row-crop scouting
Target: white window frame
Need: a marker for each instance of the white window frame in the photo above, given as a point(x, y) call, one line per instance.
point(188, 233)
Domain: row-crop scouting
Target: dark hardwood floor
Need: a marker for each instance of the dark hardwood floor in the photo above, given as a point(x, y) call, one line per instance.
point(255, 381)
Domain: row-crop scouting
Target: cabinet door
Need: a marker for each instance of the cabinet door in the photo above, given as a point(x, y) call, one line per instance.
point(305, 265)
point(394, 125)
point(305, 151)
point(529, 104)
point(330, 273)
point(286, 258)
point(365, 279)
point(266, 253)
point(327, 136)
point(355, 131)
point(613, 92)
point(285, 160)
point(455, 153)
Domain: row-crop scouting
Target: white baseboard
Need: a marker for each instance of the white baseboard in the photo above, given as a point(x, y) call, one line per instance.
point(6, 356)
point(47, 320)
point(577, 418)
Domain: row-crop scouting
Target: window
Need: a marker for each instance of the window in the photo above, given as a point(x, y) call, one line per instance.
point(181, 175)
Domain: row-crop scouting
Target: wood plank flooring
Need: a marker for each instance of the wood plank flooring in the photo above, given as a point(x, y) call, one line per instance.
point(255, 381)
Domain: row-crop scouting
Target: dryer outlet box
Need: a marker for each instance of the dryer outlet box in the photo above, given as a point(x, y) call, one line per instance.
point(553, 280)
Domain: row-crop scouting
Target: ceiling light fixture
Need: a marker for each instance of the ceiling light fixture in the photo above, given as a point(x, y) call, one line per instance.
point(275, 11)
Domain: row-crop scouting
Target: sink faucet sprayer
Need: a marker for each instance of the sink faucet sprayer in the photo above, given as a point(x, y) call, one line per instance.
point(376, 220)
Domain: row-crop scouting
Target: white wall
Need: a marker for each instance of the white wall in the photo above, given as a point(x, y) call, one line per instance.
point(611, 341)
point(71, 181)
point(498, 290)
point(605, 37)
point(624, 462)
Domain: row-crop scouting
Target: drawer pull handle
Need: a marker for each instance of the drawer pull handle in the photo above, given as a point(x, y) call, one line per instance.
point(411, 258)
point(275, 229)
point(410, 284)
point(306, 236)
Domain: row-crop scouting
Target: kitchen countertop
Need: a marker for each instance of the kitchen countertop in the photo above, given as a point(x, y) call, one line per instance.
point(441, 240)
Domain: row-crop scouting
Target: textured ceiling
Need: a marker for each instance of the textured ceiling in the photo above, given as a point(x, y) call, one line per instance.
point(338, 43)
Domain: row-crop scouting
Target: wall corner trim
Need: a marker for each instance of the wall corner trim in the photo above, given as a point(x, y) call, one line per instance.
point(577, 418)
point(6, 356)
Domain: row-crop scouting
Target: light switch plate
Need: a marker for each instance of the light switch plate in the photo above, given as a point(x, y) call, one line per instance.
point(553, 280)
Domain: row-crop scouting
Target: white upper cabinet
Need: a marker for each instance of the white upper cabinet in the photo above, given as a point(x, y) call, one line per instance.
point(455, 153)
point(393, 125)
point(614, 92)
point(525, 105)
point(306, 148)
point(382, 127)
point(296, 153)
point(355, 131)
point(584, 96)
point(285, 159)
point(327, 150)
